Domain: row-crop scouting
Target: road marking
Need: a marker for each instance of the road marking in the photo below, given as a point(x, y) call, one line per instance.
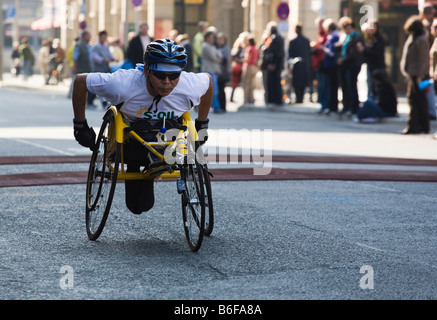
point(34, 144)
point(369, 247)
point(54, 133)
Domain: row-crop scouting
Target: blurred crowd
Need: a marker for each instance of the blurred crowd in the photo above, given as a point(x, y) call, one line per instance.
point(325, 69)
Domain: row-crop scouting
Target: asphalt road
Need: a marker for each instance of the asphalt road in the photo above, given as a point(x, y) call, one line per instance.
point(273, 240)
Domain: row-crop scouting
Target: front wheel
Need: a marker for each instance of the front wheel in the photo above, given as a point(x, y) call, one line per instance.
point(193, 204)
point(101, 181)
point(209, 207)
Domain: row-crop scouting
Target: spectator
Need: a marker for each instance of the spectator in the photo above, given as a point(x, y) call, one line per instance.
point(350, 62)
point(237, 54)
point(250, 69)
point(415, 67)
point(71, 65)
point(328, 75)
point(427, 15)
point(272, 64)
point(83, 60)
point(197, 45)
point(299, 47)
point(101, 54)
point(386, 103)
point(211, 60)
point(317, 53)
point(138, 44)
point(374, 53)
point(225, 66)
point(116, 51)
point(28, 58)
point(56, 61)
point(433, 70)
point(43, 57)
point(15, 59)
point(173, 34)
point(101, 57)
point(184, 40)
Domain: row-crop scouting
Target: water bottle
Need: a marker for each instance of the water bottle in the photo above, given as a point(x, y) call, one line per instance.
point(160, 136)
point(425, 84)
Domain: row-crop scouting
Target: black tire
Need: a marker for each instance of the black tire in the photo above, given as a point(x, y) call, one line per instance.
point(101, 181)
point(193, 204)
point(209, 207)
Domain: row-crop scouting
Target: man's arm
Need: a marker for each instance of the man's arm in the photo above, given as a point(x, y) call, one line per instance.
point(205, 102)
point(82, 132)
point(201, 122)
point(79, 96)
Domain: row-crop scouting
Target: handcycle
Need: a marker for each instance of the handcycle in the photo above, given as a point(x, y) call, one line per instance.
point(175, 158)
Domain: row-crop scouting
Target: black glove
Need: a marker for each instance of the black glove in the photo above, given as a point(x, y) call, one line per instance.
point(202, 125)
point(84, 134)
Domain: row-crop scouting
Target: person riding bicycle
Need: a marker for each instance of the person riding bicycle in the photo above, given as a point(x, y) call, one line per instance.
point(153, 91)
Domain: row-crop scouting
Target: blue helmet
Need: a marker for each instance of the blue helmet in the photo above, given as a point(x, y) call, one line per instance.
point(165, 51)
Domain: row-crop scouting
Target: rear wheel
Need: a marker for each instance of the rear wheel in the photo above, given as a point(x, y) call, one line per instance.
point(193, 204)
point(102, 179)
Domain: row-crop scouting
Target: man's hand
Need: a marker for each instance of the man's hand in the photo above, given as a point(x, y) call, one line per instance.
point(84, 134)
point(202, 130)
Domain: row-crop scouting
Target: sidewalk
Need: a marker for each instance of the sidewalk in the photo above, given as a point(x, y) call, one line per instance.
point(36, 82)
point(308, 106)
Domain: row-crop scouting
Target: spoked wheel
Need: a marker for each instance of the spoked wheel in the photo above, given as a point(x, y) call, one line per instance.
point(209, 207)
point(102, 179)
point(193, 204)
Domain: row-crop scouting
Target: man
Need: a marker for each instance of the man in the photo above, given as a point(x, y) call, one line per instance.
point(102, 57)
point(350, 62)
point(211, 60)
point(299, 47)
point(184, 40)
point(101, 54)
point(27, 57)
point(197, 45)
point(272, 64)
point(138, 45)
point(225, 69)
point(82, 59)
point(415, 68)
point(160, 84)
point(427, 14)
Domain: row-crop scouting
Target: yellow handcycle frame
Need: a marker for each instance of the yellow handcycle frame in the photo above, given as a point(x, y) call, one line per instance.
point(119, 131)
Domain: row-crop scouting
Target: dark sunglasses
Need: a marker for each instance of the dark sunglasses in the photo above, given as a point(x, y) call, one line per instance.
point(162, 75)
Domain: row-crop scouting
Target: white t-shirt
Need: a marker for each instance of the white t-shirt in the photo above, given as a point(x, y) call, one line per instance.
point(129, 86)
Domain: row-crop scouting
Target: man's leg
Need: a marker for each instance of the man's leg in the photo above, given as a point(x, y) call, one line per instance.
point(140, 195)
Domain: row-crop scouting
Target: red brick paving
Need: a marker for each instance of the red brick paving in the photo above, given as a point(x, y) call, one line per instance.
point(237, 174)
